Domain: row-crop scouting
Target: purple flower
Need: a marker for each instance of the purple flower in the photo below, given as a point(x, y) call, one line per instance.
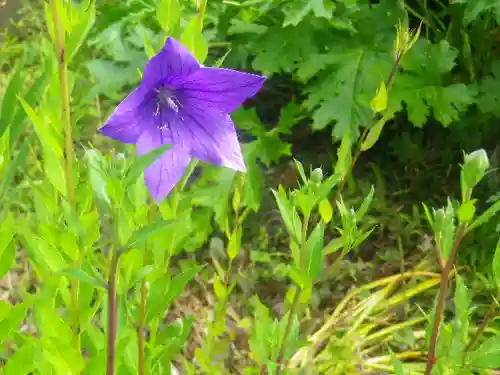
point(182, 103)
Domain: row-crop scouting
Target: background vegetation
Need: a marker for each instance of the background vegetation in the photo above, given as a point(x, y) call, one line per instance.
point(342, 263)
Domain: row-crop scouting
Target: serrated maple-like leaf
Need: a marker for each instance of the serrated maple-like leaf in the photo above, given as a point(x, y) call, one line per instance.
point(281, 48)
point(489, 92)
point(421, 85)
point(473, 8)
point(344, 96)
point(297, 10)
point(346, 74)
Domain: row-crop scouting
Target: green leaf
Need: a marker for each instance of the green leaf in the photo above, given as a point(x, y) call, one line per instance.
point(487, 355)
point(142, 234)
point(288, 214)
point(325, 211)
point(7, 231)
point(23, 361)
point(80, 274)
point(110, 77)
point(140, 164)
point(141, 274)
point(421, 85)
point(496, 265)
point(274, 56)
point(192, 38)
point(4, 152)
point(168, 14)
point(462, 306)
point(11, 318)
point(313, 251)
point(344, 156)
point(233, 248)
point(375, 131)
point(289, 116)
point(54, 169)
point(174, 336)
point(179, 282)
point(473, 8)
point(51, 139)
point(272, 148)
point(44, 253)
point(219, 289)
point(82, 20)
point(466, 211)
point(9, 101)
point(363, 209)
point(488, 97)
point(254, 180)
point(7, 259)
point(334, 245)
point(379, 102)
point(298, 10)
point(97, 174)
point(397, 364)
point(485, 216)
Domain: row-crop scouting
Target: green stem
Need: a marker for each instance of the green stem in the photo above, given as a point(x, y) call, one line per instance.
point(296, 298)
point(288, 330)
point(443, 289)
point(203, 9)
point(388, 83)
point(68, 146)
point(112, 314)
point(65, 102)
point(141, 328)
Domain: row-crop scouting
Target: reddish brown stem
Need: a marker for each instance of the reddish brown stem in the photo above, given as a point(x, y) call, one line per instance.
point(443, 289)
point(112, 316)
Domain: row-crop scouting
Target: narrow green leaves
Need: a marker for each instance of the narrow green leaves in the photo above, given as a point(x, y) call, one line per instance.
point(193, 39)
point(168, 14)
point(142, 234)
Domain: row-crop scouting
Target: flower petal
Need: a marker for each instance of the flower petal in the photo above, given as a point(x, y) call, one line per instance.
point(225, 89)
point(152, 139)
point(164, 173)
point(172, 65)
point(210, 136)
point(122, 125)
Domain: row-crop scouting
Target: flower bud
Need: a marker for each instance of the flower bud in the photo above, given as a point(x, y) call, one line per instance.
point(479, 158)
point(475, 166)
point(317, 175)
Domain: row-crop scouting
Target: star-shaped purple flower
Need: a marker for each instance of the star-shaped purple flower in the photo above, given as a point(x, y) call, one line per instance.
point(182, 103)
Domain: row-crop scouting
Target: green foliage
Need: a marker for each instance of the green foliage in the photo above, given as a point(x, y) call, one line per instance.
point(73, 264)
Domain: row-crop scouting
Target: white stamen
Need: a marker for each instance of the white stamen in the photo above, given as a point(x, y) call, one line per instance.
point(172, 104)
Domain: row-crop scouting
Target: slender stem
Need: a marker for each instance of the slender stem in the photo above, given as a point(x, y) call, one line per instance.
point(443, 289)
point(388, 83)
point(65, 102)
point(112, 314)
point(68, 147)
point(203, 8)
point(141, 329)
point(288, 330)
point(296, 298)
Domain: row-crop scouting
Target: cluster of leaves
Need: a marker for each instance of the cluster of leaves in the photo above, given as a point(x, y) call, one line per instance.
point(349, 59)
point(340, 51)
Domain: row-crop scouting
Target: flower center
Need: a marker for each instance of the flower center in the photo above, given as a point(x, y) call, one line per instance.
point(165, 98)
